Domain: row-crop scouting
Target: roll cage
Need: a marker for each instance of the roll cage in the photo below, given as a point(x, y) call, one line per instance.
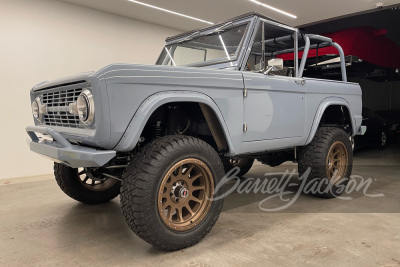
point(302, 42)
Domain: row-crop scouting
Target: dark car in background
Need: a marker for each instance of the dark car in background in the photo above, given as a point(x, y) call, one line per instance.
point(377, 131)
point(393, 119)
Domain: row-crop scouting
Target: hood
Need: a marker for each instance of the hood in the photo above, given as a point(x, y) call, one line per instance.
point(153, 71)
point(77, 78)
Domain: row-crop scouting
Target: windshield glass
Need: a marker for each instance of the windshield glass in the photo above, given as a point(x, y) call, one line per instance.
point(205, 49)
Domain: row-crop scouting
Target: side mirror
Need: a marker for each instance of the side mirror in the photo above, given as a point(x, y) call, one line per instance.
point(274, 65)
point(276, 62)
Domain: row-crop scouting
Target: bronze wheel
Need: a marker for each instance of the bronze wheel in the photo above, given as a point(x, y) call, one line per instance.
point(93, 183)
point(337, 162)
point(168, 193)
point(185, 194)
point(326, 163)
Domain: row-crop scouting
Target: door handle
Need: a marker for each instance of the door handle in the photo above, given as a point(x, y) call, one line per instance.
point(300, 81)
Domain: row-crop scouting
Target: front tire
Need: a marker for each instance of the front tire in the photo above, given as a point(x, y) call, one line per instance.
point(77, 184)
point(330, 159)
point(168, 189)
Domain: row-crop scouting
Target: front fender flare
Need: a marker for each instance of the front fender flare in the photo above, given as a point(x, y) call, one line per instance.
point(329, 101)
point(132, 134)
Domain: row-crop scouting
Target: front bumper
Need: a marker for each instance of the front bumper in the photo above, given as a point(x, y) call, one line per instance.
point(62, 151)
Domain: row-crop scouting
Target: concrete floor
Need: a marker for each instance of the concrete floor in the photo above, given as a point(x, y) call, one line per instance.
point(41, 226)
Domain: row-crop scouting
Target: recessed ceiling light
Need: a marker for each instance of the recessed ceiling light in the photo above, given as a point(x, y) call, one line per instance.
point(169, 11)
point(275, 9)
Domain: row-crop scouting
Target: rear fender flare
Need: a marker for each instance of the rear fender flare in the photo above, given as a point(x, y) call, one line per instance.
point(330, 101)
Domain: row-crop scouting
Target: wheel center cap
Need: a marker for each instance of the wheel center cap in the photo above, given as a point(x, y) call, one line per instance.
point(183, 192)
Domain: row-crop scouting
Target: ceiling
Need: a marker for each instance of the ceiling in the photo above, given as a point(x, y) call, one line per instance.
point(307, 11)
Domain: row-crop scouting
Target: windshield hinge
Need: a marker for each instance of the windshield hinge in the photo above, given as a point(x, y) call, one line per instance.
point(189, 37)
point(300, 81)
point(220, 29)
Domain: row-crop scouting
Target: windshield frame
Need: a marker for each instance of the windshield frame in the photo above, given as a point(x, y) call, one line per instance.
point(259, 21)
point(233, 62)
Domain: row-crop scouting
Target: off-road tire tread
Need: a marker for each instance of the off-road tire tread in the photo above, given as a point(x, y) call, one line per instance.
point(313, 155)
point(137, 186)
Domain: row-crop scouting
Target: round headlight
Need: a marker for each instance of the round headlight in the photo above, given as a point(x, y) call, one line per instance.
point(85, 107)
point(35, 109)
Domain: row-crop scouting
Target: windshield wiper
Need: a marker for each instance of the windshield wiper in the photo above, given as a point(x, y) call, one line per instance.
point(220, 29)
point(189, 37)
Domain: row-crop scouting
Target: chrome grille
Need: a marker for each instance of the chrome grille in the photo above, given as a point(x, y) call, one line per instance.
point(61, 99)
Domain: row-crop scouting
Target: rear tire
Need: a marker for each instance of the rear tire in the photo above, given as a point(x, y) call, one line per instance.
point(168, 189)
point(77, 185)
point(330, 159)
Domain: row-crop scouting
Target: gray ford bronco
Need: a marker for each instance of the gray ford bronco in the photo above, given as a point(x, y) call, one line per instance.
point(163, 136)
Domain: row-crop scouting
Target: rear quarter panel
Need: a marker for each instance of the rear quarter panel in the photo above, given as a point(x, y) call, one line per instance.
point(322, 93)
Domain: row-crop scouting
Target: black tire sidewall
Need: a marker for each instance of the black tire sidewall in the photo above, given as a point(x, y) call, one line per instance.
point(68, 180)
point(161, 235)
point(323, 141)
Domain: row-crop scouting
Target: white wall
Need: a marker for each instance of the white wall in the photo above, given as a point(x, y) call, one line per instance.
point(47, 39)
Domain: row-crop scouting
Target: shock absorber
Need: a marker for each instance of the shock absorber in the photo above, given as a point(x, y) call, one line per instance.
point(172, 120)
point(157, 129)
